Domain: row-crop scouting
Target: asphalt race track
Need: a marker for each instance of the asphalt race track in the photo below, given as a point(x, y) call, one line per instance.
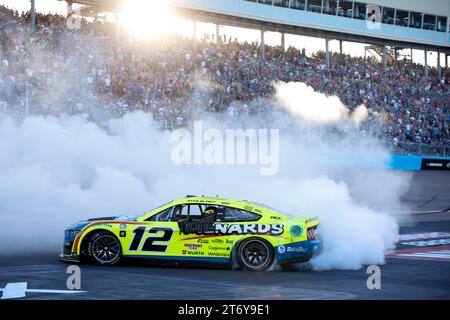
point(418, 269)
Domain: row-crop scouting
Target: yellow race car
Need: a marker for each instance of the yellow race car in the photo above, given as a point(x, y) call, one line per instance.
point(204, 229)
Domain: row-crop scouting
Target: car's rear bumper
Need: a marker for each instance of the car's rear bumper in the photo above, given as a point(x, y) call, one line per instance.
point(298, 251)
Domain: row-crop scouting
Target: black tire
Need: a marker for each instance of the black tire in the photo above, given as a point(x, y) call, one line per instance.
point(103, 248)
point(255, 254)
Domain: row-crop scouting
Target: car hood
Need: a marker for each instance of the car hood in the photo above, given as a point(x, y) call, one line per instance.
point(81, 224)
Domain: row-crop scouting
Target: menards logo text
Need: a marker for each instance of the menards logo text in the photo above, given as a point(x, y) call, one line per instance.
point(212, 228)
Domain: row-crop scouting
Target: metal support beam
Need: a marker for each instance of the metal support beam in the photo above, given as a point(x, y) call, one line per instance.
point(385, 53)
point(218, 34)
point(69, 8)
point(395, 54)
point(426, 64)
point(340, 46)
point(194, 34)
point(117, 21)
point(283, 44)
point(33, 15)
point(224, 19)
point(262, 45)
point(439, 69)
point(327, 52)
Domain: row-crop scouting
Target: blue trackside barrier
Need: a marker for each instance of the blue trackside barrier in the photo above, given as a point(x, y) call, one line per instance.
point(417, 163)
point(379, 160)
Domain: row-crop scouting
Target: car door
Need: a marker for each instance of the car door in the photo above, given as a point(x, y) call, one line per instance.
point(200, 237)
point(155, 237)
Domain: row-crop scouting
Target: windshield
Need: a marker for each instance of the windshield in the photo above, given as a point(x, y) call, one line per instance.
point(165, 204)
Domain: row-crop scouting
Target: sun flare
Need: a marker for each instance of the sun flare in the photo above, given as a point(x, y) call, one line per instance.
point(146, 19)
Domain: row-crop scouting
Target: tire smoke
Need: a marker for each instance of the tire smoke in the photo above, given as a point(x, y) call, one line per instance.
point(57, 171)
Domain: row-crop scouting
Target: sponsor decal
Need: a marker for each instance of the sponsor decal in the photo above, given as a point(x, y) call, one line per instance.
point(123, 233)
point(203, 241)
point(189, 227)
point(215, 248)
point(298, 249)
point(435, 164)
point(230, 241)
point(423, 246)
point(288, 249)
point(192, 246)
point(423, 236)
point(218, 254)
point(105, 225)
point(202, 201)
point(217, 241)
point(123, 226)
point(193, 253)
point(296, 231)
point(427, 243)
point(441, 253)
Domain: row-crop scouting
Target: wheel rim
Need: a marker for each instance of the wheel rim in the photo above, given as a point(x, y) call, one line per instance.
point(105, 249)
point(255, 254)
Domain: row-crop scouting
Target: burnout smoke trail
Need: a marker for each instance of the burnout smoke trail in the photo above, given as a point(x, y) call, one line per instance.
point(57, 171)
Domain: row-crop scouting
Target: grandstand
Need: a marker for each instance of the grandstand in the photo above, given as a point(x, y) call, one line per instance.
point(408, 24)
point(409, 103)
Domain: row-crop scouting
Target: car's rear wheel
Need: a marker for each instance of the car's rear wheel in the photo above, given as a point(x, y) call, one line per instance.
point(103, 248)
point(255, 254)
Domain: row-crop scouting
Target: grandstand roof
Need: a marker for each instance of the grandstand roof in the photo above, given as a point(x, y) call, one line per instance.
point(272, 20)
point(104, 5)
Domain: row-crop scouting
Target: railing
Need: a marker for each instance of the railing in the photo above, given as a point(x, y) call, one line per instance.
point(418, 149)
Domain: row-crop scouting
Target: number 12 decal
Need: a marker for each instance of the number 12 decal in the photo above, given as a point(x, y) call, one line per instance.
point(148, 244)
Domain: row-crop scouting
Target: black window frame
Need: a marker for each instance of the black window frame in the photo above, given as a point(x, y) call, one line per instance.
point(444, 24)
point(266, 2)
point(400, 16)
point(299, 4)
point(361, 15)
point(316, 8)
point(413, 22)
point(281, 3)
point(332, 10)
point(257, 215)
point(153, 217)
point(344, 13)
point(425, 23)
point(188, 216)
point(388, 16)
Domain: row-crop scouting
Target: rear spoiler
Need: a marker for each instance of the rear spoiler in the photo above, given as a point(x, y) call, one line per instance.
point(315, 219)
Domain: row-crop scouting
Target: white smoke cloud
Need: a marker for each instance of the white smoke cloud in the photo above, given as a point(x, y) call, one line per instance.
point(303, 102)
point(54, 172)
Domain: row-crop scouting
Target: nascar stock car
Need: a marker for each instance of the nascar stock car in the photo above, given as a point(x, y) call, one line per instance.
point(204, 229)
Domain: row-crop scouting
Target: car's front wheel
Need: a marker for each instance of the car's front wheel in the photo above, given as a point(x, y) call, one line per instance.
point(104, 248)
point(255, 254)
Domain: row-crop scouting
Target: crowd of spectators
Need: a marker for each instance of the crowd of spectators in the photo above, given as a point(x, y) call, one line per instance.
point(93, 71)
